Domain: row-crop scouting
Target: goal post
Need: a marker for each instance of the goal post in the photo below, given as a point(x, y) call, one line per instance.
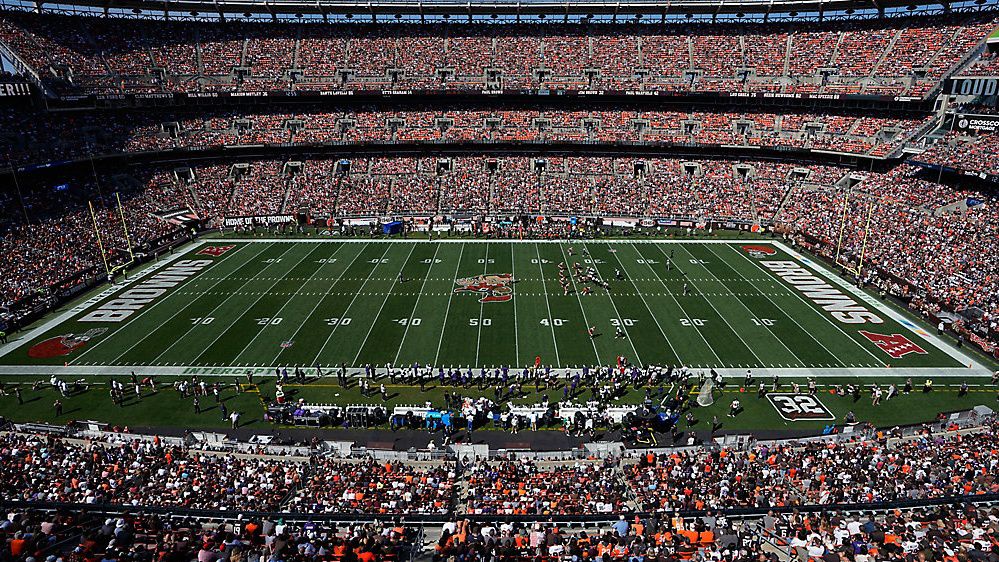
point(104, 248)
point(846, 256)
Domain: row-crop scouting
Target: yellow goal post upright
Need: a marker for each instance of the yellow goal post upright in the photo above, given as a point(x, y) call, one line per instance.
point(864, 234)
point(100, 240)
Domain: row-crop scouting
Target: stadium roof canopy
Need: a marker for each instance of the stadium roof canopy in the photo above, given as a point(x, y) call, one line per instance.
point(502, 11)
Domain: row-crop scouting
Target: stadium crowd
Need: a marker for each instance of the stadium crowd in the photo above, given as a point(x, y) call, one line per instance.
point(74, 537)
point(816, 474)
point(49, 242)
point(38, 137)
point(335, 486)
point(945, 533)
point(898, 56)
point(870, 469)
point(948, 533)
point(53, 470)
point(965, 153)
point(524, 488)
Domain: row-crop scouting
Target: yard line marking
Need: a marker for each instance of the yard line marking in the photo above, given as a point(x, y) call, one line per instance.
point(247, 308)
point(576, 292)
point(516, 333)
point(482, 309)
point(824, 317)
point(305, 282)
point(181, 308)
point(868, 372)
point(212, 311)
point(680, 306)
point(751, 313)
point(767, 296)
point(649, 308)
point(416, 305)
point(350, 304)
point(551, 321)
point(382, 307)
point(485, 241)
point(718, 312)
point(450, 295)
point(620, 319)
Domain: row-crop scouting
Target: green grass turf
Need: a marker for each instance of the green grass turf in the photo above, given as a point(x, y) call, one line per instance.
point(167, 409)
point(280, 303)
point(267, 304)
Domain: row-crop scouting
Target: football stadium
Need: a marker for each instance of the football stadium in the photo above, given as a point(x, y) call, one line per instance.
point(498, 281)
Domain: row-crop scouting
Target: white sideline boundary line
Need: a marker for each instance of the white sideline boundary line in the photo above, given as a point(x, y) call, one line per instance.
point(862, 295)
point(734, 375)
point(494, 241)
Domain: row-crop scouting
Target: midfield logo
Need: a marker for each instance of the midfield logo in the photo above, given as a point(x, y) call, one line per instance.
point(895, 345)
point(799, 407)
point(63, 345)
point(495, 287)
point(760, 251)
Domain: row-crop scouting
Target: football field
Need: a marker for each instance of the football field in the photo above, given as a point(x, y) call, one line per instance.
point(222, 306)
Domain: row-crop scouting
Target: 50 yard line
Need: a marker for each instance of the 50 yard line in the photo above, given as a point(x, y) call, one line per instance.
point(482, 309)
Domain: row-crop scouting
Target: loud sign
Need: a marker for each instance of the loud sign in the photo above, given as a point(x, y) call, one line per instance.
point(799, 407)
